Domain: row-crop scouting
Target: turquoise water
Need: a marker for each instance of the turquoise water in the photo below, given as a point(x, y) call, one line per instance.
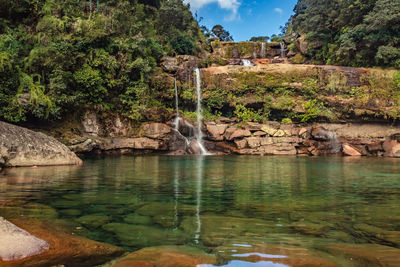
point(241, 208)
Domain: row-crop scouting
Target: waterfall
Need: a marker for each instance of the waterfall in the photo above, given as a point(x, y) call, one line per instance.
point(199, 111)
point(246, 62)
point(263, 48)
point(282, 49)
point(177, 117)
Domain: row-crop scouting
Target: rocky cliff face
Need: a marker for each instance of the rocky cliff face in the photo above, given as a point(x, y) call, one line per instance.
point(22, 147)
point(229, 136)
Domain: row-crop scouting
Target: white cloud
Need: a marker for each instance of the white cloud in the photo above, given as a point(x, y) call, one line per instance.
point(278, 10)
point(232, 5)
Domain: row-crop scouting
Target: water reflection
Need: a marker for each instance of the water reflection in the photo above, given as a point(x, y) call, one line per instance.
point(247, 206)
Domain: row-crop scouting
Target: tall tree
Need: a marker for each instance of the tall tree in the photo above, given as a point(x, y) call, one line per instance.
point(221, 33)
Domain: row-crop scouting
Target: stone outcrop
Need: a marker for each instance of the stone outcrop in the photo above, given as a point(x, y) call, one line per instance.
point(272, 138)
point(22, 147)
point(64, 248)
point(227, 136)
point(16, 243)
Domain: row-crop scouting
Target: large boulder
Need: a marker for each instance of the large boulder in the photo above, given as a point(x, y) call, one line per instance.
point(16, 243)
point(22, 147)
point(64, 248)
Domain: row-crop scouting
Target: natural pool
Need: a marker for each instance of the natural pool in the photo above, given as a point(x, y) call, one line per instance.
point(248, 211)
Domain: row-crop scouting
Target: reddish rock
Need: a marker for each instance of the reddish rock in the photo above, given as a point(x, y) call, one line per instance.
point(65, 249)
point(349, 150)
point(217, 131)
point(366, 254)
point(242, 143)
point(375, 147)
point(303, 132)
point(239, 133)
point(260, 133)
point(167, 256)
point(391, 148)
point(155, 130)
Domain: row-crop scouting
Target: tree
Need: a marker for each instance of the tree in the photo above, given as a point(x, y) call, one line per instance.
point(221, 33)
point(259, 39)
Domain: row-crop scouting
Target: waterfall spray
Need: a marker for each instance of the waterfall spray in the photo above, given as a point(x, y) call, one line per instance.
point(282, 49)
point(199, 135)
point(263, 47)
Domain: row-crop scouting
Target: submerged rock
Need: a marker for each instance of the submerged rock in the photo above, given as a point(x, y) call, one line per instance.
point(167, 256)
point(22, 147)
point(144, 236)
point(16, 243)
point(366, 254)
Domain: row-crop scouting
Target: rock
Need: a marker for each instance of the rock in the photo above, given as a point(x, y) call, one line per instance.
point(391, 148)
point(194, 147)
point(217, 131)
point(22, 147)
point(169, 64)
point(90, 124)
point(375, 147)
point(16, 243)
point(135, 218)
point(255, 142)
point(144, 236)
point(279, 133)
point(270, 130)
point(131, 143)
point(366, 254)
point(349, 150)
point(253, 126)
point(241, 143)
point(239, 133)
point(94, 220)
point(65, 249)
point(155, 130)
point(303, 132)
point(283, 149)
point(259, 133)
point(84, 147)
point(321, 134)
point(167, 256)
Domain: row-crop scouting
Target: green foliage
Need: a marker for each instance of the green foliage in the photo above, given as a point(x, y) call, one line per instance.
point(397, 80)
point(221, 33)
point(313, 110)
point(287, 121)
point(183, 45)
point(348, 32)
point(298, 59)
point(247, 114)
point(259, 39)
point(57, 57)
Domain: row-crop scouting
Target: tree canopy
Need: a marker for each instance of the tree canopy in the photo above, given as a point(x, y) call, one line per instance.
point(350, 32)
point(57, 56)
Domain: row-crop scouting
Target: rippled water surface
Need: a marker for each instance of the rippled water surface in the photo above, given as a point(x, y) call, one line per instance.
point(249, 211)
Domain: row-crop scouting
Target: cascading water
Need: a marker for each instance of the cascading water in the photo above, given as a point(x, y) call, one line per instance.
point(199, 135)
point(282, 49)
point(263, 48)
point(246, 62)
point(177, 117)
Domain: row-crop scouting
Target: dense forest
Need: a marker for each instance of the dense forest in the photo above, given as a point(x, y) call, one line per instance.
point(57, 56)
point(349, 32)
point(61, 56)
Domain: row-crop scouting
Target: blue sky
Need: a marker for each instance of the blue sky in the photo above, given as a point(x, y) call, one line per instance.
point(244, 18)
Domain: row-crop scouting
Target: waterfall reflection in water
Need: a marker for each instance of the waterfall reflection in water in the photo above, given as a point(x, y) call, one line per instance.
point(236, 204)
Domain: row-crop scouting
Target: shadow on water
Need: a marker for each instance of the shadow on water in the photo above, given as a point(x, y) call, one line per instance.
point(248, 211)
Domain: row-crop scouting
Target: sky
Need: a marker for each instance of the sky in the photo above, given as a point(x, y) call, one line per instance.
point(244, 18)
